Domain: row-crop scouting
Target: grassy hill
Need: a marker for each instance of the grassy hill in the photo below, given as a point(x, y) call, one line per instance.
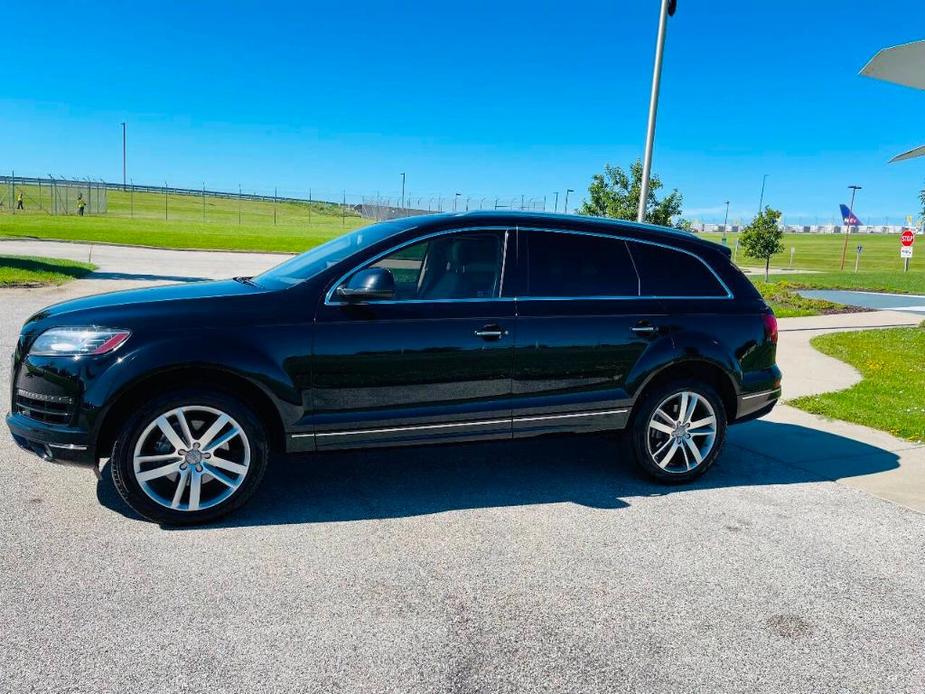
point(219, 223)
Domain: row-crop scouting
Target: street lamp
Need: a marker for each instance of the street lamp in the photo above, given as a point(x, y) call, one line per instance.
point(725, 222)
point(455, 198)
point(123, 156)
point(565, 208)
point(851, 218)
point(668, 10)
point(556, 207)
point(764, 180)
point(403, 190)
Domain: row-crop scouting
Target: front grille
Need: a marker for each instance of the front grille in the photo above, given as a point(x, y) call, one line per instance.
point(52, 409)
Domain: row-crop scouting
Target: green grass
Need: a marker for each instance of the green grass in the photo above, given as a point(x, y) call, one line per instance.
point(890, 397)
point(140, 220)
point(29, 271)
point(822, 252)
point(897, 281)
point(788, 304)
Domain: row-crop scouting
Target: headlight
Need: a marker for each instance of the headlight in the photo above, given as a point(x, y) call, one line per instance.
point(73, 341)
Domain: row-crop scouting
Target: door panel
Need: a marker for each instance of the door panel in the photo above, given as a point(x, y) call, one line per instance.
point(574, 358)
point(416, 370)
point(581, 328)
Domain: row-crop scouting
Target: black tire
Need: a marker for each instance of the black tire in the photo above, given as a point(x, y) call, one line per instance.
point(643, 438)
point(254, 441)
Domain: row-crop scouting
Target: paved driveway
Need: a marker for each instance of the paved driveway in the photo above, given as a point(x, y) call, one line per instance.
point(545, 565)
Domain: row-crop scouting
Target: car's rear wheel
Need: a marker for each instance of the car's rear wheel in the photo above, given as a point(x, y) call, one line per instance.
point(189, 457)
point(678, 430)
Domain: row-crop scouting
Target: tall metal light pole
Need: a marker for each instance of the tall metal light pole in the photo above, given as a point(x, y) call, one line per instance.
point(556, 208)
point(455, 198)
point(565, 208)
point(844, 250)
point(123, 156)
point(403, 190)
point(668, 10)
point(725, 223)
point(764, 180)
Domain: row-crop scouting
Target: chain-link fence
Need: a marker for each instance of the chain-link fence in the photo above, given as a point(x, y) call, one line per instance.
point(56, 196)
point(267, 206)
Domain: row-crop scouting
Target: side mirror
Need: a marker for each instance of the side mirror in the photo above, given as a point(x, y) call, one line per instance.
point(368, 285)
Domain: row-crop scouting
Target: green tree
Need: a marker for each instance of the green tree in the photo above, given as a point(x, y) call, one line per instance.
point(615, 194)
point(763, 237)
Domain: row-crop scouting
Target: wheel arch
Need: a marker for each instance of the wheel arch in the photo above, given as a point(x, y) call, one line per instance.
point(210, 377)
point(699, 369)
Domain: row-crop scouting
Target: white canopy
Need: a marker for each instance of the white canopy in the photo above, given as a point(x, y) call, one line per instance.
point(903, 65)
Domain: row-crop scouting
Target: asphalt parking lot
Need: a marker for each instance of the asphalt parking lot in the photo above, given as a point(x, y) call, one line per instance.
point(544, 565)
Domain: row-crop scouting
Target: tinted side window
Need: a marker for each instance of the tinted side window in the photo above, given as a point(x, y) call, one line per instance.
point(458, 266)
point(562, 264)
point(665, 272)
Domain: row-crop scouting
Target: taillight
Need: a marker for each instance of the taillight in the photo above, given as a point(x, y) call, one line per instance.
point(770, 327)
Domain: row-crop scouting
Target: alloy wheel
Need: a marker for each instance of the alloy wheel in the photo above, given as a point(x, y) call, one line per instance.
point(681, 432)
point(191, 458)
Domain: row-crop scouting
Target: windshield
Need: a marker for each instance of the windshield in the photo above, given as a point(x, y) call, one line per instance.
point(328, 254)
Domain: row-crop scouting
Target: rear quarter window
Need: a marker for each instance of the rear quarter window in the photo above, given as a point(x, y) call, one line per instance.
point(669, 273)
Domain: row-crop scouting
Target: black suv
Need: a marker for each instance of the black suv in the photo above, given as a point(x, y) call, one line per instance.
point(431, 329)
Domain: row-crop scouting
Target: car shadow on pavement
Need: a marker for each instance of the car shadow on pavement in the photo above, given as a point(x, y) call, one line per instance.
point(594, 471)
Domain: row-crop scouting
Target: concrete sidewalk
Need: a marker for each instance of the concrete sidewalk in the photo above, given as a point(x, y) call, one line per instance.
point(137, 264)
point(857, 456)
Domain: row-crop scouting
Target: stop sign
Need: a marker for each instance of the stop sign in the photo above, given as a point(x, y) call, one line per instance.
point(907, 238)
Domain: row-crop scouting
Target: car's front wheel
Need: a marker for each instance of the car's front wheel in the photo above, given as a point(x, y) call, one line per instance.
point(189, 457)
point(678, 430)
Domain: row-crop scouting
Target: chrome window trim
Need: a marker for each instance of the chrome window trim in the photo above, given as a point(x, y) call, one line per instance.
point(629, 239)
point(454, 425)
point(505, 228)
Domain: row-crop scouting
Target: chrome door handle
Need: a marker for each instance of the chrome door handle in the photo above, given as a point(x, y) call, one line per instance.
point(490, 332)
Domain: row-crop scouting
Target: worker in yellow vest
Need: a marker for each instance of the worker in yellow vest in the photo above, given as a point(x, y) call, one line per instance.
point(81, 204)
point(19, 201)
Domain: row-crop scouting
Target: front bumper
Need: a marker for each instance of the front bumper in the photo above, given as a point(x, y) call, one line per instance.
point(52, 443)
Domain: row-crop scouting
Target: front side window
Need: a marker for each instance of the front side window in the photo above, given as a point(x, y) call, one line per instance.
point(578, 265)
point(670, 273)
point(455, 266)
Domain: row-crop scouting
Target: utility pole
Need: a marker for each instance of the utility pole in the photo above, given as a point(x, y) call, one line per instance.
point(565, 208)
point(725, 223)
point(844, 250)
point(123, 157)
point(556, 208)
point(403, 190)
point(668, 10)
point(455, 198)
point(764, 180)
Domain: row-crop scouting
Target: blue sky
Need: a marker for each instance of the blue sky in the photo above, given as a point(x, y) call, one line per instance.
point(483, 98)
